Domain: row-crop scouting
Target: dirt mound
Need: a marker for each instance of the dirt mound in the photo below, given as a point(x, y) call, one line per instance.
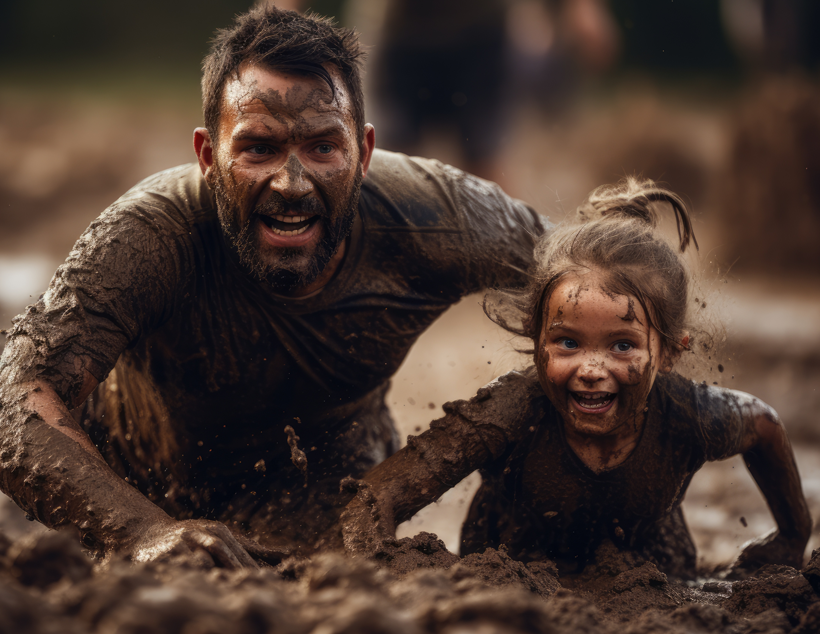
point(412, 586)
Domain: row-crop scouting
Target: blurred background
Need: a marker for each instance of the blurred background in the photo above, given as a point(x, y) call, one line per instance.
point(718, 99)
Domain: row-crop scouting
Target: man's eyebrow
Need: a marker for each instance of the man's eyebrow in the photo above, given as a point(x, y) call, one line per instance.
point(334, 128)
point(256, 132)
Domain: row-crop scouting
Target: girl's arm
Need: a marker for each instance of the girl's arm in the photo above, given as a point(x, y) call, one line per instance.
point(471, 434)
point(412, 478)
point(769, 458)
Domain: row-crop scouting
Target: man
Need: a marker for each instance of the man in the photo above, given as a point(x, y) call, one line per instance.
point(216, 349)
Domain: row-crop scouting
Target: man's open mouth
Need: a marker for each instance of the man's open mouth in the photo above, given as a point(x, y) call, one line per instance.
point(292, 225)
point(593, 401)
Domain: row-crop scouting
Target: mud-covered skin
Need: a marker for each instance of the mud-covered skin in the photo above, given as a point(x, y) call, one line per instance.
point(211, 366)
point(541, 501)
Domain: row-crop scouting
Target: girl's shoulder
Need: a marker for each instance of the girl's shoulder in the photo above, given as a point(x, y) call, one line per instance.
point(709, 412)
point(511, 401)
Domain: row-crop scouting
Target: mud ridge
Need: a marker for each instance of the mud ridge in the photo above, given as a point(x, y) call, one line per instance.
point(413, 585)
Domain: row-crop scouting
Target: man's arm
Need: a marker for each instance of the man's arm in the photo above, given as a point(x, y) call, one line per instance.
point(52, 470)
point(117, 285)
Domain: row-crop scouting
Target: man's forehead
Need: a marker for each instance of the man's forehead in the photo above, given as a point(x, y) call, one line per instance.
point(259, 90)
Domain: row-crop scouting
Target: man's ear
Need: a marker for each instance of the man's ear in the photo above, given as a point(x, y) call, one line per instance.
point(368, 145)
point(672, 352)
point(204, 150)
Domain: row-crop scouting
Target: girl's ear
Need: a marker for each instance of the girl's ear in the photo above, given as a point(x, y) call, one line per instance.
point(672, 352)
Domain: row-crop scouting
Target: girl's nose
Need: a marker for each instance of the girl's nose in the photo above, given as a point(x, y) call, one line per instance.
point(593, 369)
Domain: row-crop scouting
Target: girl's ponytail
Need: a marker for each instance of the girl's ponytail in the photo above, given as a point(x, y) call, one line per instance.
point(633, 199)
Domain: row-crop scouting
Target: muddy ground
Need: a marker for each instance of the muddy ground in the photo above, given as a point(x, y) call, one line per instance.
point(60, 168)
point(413, 585)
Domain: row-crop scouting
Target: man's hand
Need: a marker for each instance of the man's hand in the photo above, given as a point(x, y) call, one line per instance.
point(203, 542)
point(770, 549)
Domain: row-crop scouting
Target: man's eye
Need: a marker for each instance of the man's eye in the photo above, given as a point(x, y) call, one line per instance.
point(622, 346)
point(259, 149)
point(324, 148)
point(567, 344)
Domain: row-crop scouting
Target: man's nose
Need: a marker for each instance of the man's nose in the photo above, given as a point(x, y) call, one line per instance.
point(290, 180)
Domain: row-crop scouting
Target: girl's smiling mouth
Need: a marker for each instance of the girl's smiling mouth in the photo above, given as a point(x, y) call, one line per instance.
point(593, 402)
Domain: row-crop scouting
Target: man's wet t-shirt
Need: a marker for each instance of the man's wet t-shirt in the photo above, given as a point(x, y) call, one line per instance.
point(211, 365)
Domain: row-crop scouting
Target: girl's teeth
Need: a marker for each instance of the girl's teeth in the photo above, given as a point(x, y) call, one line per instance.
point(593, 402)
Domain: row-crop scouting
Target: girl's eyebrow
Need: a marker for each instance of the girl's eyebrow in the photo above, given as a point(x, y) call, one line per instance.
point(625, 331)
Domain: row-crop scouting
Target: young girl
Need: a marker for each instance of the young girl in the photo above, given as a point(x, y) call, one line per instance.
point(599, 439)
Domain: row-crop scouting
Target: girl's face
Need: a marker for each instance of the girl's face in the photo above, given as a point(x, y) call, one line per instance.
point(597, 357)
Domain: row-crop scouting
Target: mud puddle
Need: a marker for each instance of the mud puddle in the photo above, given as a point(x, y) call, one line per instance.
point(413, 585)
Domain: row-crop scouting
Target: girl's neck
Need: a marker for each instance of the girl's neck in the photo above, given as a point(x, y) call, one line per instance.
point(602, 453)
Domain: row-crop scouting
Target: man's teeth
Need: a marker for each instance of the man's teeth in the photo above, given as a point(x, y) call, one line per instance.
point(295, 232)
point(291, 218)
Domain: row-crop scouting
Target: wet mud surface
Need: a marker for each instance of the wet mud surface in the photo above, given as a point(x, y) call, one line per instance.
point(412, 585)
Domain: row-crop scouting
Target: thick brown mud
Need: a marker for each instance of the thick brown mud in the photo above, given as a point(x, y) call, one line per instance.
point(412, 585)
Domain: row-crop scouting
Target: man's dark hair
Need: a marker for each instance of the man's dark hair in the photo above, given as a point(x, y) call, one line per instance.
point(287, 41)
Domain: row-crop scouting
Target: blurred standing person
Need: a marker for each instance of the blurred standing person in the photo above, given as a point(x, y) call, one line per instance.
point(442, 62)
point(462, 65)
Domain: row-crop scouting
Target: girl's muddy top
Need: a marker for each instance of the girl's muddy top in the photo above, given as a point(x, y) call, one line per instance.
point(212, 366)
point(539, 499)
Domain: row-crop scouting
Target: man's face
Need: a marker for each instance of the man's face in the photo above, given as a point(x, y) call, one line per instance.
point(286, 173)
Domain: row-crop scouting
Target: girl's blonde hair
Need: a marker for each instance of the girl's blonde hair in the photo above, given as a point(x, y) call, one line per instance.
point(614, 233)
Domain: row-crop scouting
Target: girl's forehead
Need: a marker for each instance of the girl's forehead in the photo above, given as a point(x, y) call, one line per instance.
point(588, 294)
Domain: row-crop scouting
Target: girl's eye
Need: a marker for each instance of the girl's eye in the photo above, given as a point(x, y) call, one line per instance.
point(568, 344)
point(622, 346)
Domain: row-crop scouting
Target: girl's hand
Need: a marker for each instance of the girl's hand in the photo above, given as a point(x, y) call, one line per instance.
point(770, 549)
point(366, 523)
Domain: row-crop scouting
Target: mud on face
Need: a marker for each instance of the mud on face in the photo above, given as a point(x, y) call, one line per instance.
point(286, 174)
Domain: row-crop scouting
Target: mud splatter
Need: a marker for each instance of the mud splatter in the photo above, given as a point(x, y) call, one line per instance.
point(297, 456)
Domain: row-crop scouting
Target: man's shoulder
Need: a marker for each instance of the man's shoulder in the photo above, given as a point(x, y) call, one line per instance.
point(179, 194)
point(409, 193)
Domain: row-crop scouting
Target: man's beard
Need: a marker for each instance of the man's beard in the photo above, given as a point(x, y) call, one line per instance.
point(285, 268)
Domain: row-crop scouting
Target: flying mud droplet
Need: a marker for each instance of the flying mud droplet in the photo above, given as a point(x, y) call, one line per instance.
point(297, 456)
point(743, 521)
point(720, 367)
